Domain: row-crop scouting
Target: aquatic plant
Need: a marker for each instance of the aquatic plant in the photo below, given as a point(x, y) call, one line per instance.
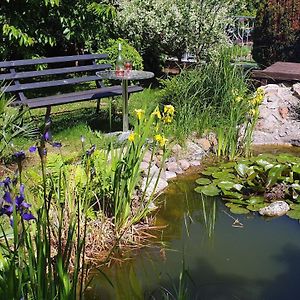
point(250, 184)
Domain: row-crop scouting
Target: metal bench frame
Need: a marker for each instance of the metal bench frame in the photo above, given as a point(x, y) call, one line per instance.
point(77, 66)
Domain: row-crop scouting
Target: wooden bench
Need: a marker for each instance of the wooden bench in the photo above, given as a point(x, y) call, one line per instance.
point(22, 76)
point(279, 71)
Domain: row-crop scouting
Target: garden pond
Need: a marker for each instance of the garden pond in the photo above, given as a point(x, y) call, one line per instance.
point(204, 253)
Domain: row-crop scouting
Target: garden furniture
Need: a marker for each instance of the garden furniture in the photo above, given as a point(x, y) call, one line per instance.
point(127, 76)
point(279, 71)
point(38, 75)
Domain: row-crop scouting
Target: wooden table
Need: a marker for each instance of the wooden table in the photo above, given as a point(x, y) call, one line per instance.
point(279, 71)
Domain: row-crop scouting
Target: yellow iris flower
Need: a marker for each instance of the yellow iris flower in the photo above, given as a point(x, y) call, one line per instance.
point(139, 113)
point(131, 137)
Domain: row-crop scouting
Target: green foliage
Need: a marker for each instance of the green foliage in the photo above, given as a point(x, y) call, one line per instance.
point(244, 183)
point(276, 35)
point(53, 27)
point(128, 53)
point(175, 26)
point(211, 96)
point(12, 125)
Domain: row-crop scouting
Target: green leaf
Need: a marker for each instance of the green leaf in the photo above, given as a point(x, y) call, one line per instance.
point(255, 200)
point(274, 174)
point(223, 175)
point(239, 210)
point(295, 206)
point(255, 207)
point(294, 214)
point(208, 190)
point(264, 163)
point(203, 181)
point(235, 195)
point(242, 169)
point(226, 185)
point(296, 169)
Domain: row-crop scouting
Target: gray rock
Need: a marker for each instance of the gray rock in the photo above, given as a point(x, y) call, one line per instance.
point(174, 167)
point(296, 89)
point(195, 152)
point(184, 164)
point(148, 187)
point(170, 175)
point(144, 166)
point(275, 209)
point(147, 157)
point(176, 149)
point(195, 163)
point(204, 143)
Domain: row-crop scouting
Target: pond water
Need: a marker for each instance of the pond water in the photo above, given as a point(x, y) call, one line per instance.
point(261, 260)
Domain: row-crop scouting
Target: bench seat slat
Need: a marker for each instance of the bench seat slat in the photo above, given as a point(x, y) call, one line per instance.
point(49, 60)
point(58, 71)
point(53, 83)
point(77, 96)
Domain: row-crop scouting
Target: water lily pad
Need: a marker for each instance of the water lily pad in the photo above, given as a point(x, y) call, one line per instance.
point(295, 206)
point(255, 207)
point(286, 158)
point(223, 175)
point(228, 165)
point(274, 174)
point(226, 185)
point(203, 181)
point(234, 200)
point(230, 204)
point(239, 210)
point(208, 171)
point(241, 169)
point(234, 195)
point(255, 200)
point(208, 190)
point(294, 214)
point(296, 169)
point(238, 187)
point(264, 163)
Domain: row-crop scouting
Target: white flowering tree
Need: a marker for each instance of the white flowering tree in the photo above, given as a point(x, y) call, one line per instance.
point(175, 26)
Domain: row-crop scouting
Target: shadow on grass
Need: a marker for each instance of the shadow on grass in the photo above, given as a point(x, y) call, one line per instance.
point(64, 120)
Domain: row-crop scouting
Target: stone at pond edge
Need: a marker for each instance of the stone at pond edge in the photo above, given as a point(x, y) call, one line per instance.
point(170, 175)
point(275, 209)
point(184, 164)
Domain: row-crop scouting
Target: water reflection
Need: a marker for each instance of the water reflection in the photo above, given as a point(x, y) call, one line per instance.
point(201, 256)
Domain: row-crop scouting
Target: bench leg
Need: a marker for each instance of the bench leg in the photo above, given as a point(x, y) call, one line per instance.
point(48, 112)
point(98, 106)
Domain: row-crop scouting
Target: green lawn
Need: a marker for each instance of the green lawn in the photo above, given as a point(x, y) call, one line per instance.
point(71, 121)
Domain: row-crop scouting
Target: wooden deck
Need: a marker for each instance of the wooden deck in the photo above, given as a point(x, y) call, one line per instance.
point(279, 71)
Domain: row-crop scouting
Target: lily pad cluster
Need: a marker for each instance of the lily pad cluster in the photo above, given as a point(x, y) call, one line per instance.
point(251, 184)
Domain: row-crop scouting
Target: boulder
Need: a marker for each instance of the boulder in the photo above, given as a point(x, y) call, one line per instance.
point(203, 143)
point(170, 175)
point(148, 187)
point(174, 167)
point(184, 164)
point(275, 209)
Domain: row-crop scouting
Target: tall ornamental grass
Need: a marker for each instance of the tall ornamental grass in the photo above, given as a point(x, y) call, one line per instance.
point(212, 96)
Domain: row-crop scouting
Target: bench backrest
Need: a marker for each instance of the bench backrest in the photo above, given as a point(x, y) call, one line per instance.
point(22, 75)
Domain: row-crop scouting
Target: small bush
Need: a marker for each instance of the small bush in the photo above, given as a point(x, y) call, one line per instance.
point(128, 53)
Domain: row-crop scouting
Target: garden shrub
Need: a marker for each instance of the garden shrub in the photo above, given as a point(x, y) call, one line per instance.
point(276, 35)
point(128, 53)
point(174, 27)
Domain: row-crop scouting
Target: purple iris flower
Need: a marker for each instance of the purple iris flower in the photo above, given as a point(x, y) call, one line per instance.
point(90, 151)
point(19, 155)
point(56, 144)
point(47, 136)
point(32, 149)
point(19, 203)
